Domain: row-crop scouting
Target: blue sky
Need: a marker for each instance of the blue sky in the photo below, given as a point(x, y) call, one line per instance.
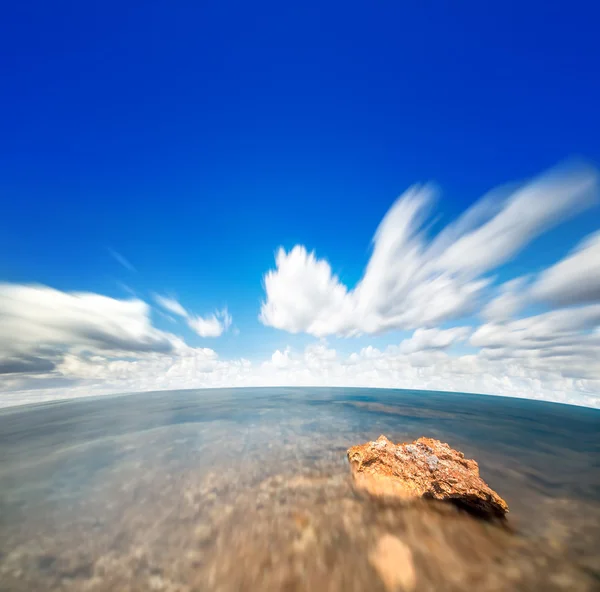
point(195, 140)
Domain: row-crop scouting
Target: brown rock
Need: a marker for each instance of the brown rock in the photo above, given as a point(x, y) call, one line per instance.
point(426, 468)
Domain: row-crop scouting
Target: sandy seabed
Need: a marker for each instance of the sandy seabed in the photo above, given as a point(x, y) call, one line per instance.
point(250, 490)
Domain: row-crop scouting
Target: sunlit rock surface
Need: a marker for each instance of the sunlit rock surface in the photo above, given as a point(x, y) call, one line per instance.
point(425, 468)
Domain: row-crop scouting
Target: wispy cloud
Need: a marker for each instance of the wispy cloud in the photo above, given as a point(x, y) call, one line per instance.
point(55, 344)
point(41, 323)
point(575, 279)
point(124, 262)
point(127, 289)
point(412, 281)
point(170, 304)
point(164, 315)
point(79, 344)
point(210, 326)
point(511, 297)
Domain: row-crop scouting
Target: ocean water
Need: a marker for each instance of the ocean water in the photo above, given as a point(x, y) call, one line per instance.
point(233, 489)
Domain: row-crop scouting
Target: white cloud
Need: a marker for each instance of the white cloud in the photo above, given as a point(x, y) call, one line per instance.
point(151, 371)
point(212, 326)
point(318, 364)
point(430, 339)
point(575, 279)
point(46, 335)
point(556, 346)
point(529, 211)
point(57, 344)
point(315, 357)
point(557, 327)
point(511, 298)
point(171, 305)
point(437, 370)
point(281, 359)
point(43, 322)
point(411, 281)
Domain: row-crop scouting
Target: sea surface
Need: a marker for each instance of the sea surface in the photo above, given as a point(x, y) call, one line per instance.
point(240, 489)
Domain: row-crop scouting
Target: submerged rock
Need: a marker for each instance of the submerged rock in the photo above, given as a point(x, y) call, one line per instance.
point(426, 468)
point(393, 561)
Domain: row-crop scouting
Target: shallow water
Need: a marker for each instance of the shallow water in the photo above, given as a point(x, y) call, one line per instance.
point(249, 489)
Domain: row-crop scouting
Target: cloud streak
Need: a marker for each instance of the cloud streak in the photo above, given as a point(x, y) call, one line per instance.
point(211, 326)
point(34, 316)
point(121, 260)
point(55, 345)
point(411, 280)
point(534, 336)
point(575, 279)
point(320, 365)
point(171, 305)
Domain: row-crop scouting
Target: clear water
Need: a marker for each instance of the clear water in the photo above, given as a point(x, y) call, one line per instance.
point(90, 487)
